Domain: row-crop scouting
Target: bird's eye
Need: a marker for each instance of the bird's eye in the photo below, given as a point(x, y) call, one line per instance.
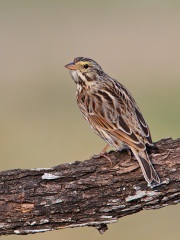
point(86, 65)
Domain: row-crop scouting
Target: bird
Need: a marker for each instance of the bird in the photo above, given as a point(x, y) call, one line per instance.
point(112, 113)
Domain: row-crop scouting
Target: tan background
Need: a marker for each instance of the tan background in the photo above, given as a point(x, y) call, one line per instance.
point(136, 42)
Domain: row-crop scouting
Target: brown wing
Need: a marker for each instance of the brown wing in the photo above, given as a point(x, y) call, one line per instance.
point(136, 116)
point(126, 136)
point(143, 126)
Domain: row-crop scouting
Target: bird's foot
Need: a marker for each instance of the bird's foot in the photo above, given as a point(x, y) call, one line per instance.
point(103, 153)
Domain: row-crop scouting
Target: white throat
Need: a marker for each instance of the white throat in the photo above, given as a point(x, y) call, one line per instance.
point(78, 76)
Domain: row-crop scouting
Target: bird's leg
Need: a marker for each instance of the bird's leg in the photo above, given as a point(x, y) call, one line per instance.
point(104, 150)
point(103, 154)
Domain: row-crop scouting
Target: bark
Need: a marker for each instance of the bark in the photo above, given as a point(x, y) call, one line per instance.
point(89, 193)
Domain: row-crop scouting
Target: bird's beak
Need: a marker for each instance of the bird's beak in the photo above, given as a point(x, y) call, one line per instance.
point(71, 66)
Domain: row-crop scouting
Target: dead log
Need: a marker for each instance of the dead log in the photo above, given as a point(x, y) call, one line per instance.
point(89, 193)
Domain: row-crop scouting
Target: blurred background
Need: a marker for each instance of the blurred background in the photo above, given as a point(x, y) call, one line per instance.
point(136, 42)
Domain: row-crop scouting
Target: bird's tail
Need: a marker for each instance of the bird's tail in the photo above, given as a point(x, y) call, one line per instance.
point(146, 166)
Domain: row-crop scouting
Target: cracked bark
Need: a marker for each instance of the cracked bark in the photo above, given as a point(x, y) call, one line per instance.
point(89, 193)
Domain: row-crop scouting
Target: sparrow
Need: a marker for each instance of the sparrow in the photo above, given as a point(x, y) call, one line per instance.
point(112, 112)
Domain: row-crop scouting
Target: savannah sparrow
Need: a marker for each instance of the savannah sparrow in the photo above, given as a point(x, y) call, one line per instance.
point(112, 112)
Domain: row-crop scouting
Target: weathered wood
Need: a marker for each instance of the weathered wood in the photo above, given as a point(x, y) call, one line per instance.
point(89, 193)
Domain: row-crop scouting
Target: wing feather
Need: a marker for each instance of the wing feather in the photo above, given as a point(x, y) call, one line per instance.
point(144, 126)
point(109, 127)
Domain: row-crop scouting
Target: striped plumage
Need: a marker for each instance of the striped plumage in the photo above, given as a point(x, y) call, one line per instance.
point(112, 112)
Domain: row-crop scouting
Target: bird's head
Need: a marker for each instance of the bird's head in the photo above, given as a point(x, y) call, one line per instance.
point(84, 70)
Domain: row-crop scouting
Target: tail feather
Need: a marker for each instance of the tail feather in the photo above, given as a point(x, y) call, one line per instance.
point(147, 168)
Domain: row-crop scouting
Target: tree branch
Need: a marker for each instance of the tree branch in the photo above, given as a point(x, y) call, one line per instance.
point(90, 193)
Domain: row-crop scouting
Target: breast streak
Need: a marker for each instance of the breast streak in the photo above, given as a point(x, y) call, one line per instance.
point(91, 104)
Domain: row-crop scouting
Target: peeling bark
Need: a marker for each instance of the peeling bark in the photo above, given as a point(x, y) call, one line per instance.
point(89, 193)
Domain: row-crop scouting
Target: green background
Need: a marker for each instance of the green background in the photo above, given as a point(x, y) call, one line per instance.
point(136, 42)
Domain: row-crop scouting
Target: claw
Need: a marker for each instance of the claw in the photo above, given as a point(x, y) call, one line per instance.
point(103, 154)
